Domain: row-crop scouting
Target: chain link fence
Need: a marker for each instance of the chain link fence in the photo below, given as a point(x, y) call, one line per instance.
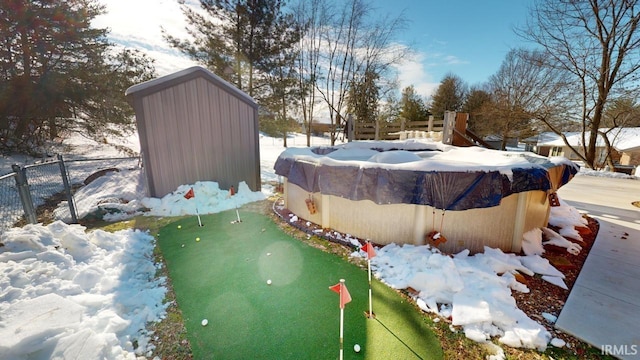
point(30, 193)
point(10, 206)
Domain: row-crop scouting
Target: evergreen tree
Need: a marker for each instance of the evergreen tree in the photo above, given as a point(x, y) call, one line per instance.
point(362, 100)
point(283, 93)
point(449, 96)
point(240, 40)
point(412, 106)
point(57, 72)
point(474, 105)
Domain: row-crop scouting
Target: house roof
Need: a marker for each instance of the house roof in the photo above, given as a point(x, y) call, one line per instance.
point(553, 139)
point(163, 82)
point(625, 139)
point(545, 139)
point(622, 139)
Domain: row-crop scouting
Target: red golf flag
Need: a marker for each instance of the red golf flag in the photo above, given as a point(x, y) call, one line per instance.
point(341, 289)
point(189, 194)
point(371, 251)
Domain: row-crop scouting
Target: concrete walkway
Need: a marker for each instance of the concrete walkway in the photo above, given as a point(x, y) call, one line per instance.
point(603, 308)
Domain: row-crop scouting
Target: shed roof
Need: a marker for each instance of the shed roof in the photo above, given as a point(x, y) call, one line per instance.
point(163, 82)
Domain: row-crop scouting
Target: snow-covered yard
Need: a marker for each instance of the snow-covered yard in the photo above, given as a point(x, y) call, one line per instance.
point(68, 293)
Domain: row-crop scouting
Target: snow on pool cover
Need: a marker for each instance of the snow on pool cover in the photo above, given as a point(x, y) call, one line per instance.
point(421, 173)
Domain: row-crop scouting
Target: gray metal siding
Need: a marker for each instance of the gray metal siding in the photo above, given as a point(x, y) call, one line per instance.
point(196, 131)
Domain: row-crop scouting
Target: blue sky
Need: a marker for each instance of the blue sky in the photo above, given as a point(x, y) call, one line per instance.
point(466, 37)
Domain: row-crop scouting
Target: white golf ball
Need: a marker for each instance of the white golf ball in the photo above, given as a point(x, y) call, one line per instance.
point(269, 282)
point(205, 322)
point(356, 348)
point(182, 245)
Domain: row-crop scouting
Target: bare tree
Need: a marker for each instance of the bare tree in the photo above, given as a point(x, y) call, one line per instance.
point(620, 112)
point(339, 39)
point(522, 90)
point(311, 16)
point(596, 42)
point(344, 41)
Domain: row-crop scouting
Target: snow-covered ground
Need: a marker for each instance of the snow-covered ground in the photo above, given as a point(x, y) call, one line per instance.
point(67, 293)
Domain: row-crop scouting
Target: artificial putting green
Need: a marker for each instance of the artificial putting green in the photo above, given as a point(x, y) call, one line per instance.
point(223, 278)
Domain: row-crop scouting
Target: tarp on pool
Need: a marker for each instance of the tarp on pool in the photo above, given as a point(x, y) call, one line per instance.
point(441, 176)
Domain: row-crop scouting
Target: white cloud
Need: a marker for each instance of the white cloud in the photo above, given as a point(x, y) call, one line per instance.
point(411, 71)
point(454, 60)
point(137, 24)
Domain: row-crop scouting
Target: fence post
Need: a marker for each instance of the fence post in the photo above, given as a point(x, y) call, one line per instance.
point(25, 195)
point(67, 189)
point(448, 127)
point(430, 124)
point(350, 128)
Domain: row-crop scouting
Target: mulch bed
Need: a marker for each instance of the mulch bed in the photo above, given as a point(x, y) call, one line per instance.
point(548, 298)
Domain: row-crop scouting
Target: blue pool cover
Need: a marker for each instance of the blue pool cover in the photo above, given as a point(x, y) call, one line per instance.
point(446, 190)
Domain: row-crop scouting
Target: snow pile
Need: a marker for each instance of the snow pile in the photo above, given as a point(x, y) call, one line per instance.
point(75, 295)
point(532, 242)
point(394, 157)
point(584, 171)
point(117, 195)
point(208, 199)
point(556, 239)
point(567, 218)
point(474, 291)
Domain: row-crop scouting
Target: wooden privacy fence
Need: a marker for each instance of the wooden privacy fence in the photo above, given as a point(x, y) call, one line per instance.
point(390, 131)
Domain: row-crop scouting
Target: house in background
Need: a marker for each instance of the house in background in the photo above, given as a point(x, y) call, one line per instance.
point(625, 143)
point(551, 144)
point(194, 126)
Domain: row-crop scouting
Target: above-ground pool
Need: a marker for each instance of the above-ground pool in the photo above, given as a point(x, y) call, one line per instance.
point(406, 192)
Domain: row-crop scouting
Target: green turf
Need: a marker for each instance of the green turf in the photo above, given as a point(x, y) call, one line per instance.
point(223, 278)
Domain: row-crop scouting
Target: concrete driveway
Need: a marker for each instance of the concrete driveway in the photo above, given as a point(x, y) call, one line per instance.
point(603, 308)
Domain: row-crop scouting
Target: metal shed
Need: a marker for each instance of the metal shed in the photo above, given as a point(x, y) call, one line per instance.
point(194, 126)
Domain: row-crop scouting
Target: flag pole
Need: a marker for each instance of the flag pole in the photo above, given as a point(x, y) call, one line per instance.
point(371, 252)
point(345, 297)
point(191, 194)
point(370, 297)
point(198, 213)
point(341, 322)
point(232, 192)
